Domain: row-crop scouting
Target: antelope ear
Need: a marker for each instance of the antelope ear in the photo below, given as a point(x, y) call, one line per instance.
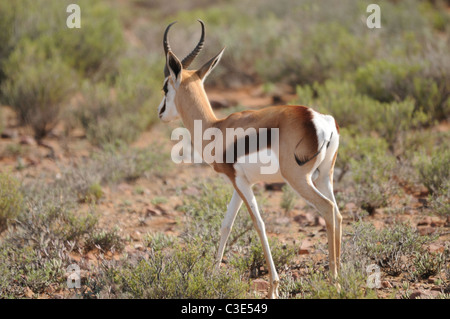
point(174, 66)
point(204, 71)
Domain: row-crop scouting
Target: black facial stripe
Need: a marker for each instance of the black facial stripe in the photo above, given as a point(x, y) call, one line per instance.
point(163, 108)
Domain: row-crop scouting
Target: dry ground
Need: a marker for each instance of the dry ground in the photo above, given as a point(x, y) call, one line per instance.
point(153, 205)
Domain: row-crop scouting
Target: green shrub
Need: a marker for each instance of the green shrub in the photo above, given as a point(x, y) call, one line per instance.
point(37, 86)
point(427, 264)
point(392, 248)
point(352, 285)
point(435, 173)
point(25, 267)
point(94, 193)
point(360, 113)
point(253, 261)
point(106, 240)
point(11, 200)
point(105, 120)
point(440, 203)
point(368, 169)
point(92, 50)
point(393, 119)
point(184, 270)
point(396, 80)
point(386, 81)
point(113, 112)
point(356, 147)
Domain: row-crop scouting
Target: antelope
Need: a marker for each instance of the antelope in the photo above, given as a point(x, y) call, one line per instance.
point(307, 149)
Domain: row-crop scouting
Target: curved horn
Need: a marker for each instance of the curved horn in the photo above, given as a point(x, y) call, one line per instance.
point(167, 47)
point(188, 60)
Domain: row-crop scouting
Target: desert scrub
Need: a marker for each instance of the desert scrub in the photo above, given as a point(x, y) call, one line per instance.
point(316, 285)
point(35, 255)
point(435, 172)
point(25, 267)
point(11, 200)
point(84, 182)
point(181, 270)
point(92, 50)
point(360, 113)
point(418, 77)
point(37, 86)
point(392, 248)
point(117, 110)
point(249, 256)
point(105, 119)
point(356, 147)
point(104, 240)
point(206, 211)
point(370, 178)
point(427, 264)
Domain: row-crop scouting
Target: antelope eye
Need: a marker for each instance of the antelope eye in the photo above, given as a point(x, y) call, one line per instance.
point(165, 88)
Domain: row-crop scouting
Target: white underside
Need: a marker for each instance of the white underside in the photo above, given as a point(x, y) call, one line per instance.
point(262, 166)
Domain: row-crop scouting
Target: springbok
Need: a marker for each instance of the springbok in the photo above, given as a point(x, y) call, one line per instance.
point(307, 148)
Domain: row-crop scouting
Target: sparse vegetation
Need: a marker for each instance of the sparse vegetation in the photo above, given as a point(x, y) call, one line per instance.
point(11, 200)
point(97, 192)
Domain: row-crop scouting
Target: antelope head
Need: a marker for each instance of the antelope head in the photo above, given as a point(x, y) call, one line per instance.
point(175, 72)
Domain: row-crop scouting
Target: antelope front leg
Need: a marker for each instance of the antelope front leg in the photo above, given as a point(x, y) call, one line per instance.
point(245, 190)
point(227, 224)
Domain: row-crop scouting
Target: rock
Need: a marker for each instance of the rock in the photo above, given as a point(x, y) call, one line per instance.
point(303, 251)
point(260, 285)
point(27, 140)
point(307, 219)
point(8, 133)
point(435, 247)
point(426, 230)
point(425, 221)
point(386, 284)
point(28, 292)
point(152, 212)
point(136, 235)
point(424, 294)
point(301, 219)
point(415, 294)
point(282, 221)
point(319, 221)
point(305, 247)
point(162, 208)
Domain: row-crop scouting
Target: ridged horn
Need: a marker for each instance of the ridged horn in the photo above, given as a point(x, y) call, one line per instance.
point(167, 47)
point(188, 59)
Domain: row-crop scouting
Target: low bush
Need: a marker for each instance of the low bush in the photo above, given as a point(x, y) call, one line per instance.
point(427, 265)
point(435, 172)
point(11, 200)
point(117, 111)
point(38, 85)
point(392, 248)
point(175, 270)
point(92, 50)
point(105, 240)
